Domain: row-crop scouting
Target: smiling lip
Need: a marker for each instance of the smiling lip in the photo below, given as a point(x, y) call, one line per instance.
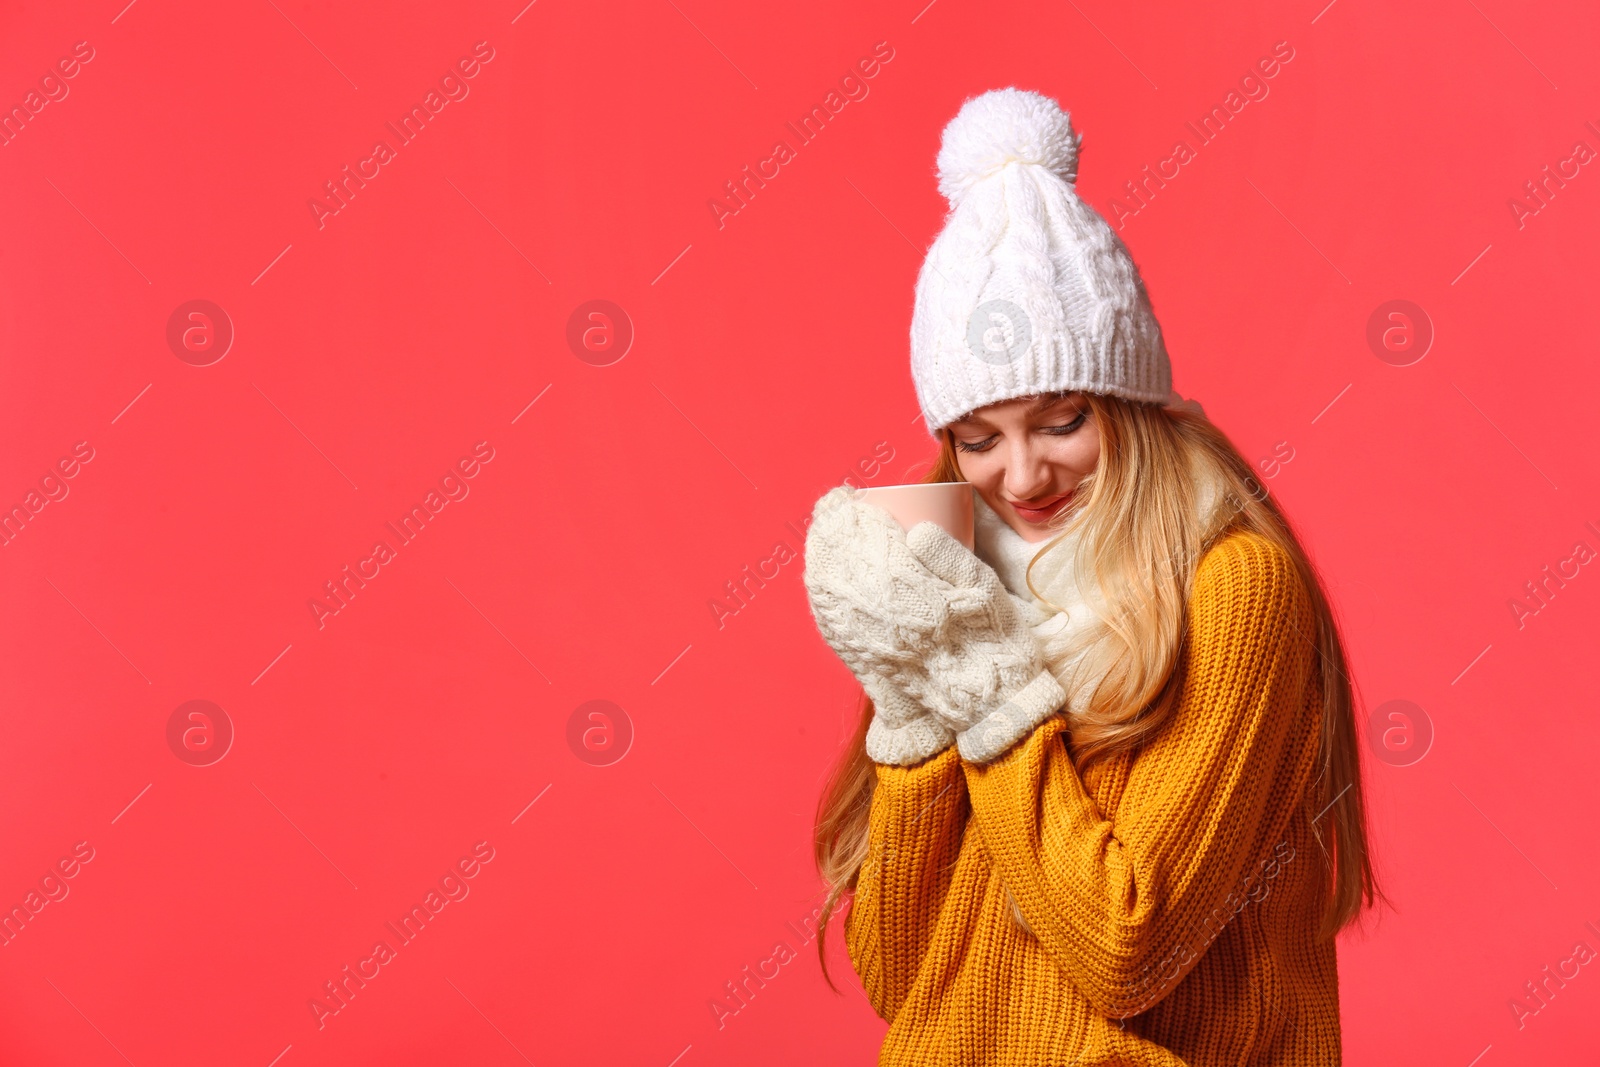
point(1039, 514)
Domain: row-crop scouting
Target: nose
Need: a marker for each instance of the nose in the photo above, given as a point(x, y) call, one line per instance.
point(1027, 474)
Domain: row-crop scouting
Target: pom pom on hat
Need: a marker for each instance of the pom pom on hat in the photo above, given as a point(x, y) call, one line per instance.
point(1005, 126)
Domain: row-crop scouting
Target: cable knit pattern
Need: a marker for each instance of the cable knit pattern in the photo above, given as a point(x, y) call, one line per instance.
point(1177, 890)
point(1026, 289)
point(922, 612)
point(876, 605)
point(902, 731)
point(984, 677)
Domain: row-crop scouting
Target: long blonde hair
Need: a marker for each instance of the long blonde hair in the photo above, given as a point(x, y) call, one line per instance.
point(1142, 530)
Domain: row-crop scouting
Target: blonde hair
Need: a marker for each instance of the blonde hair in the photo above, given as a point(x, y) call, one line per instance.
point(1141, 529)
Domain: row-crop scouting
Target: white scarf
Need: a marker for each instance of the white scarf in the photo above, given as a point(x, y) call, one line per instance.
point(1061, 633)
point(1002, 548)
point(1009, 553)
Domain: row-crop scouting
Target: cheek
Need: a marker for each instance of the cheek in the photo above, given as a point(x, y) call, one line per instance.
point(1076, 456)
point(984, 477)
point(982, 469)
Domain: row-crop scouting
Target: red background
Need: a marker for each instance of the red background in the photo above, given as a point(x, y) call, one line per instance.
point(769, 361)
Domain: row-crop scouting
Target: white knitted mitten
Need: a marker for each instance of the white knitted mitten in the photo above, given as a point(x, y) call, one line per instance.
point(1033, 613)
point(983, 675)
point(877, 607)
point(902, 732)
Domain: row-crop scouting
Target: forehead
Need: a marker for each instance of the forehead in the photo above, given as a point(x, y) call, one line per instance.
point(1032, 404)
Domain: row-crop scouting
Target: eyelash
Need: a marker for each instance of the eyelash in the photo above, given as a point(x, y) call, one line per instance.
point(1057, 431)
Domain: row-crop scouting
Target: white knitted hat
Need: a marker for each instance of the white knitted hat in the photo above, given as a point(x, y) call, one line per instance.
point(1026, 289)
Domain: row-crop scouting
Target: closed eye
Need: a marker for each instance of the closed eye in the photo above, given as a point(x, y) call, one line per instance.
point(1069, 427)
point(1056, 431)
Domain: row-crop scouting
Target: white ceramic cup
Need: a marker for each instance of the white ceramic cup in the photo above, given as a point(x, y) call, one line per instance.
point(948, 505)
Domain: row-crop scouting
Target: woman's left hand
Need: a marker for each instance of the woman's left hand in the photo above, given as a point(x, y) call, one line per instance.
point(983, 676)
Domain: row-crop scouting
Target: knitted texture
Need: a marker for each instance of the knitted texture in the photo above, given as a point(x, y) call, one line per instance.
point(986, 679)
point(1064, 628)
point(998, 545)
point(874, 604)
point(1026, 289)
point(1066, 637)
point(902, 731)
point(921, 611)
point(1172, 897)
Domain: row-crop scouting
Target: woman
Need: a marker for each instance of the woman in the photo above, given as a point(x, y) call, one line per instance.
point(1104, 805)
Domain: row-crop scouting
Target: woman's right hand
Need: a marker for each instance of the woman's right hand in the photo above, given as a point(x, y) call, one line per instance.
point(877, 607)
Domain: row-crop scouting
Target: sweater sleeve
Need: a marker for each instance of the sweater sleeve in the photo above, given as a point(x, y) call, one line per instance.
point(1126, 905)
point(916, 823)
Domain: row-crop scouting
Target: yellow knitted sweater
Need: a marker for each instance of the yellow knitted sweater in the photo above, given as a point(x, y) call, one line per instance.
point(1173, 896)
